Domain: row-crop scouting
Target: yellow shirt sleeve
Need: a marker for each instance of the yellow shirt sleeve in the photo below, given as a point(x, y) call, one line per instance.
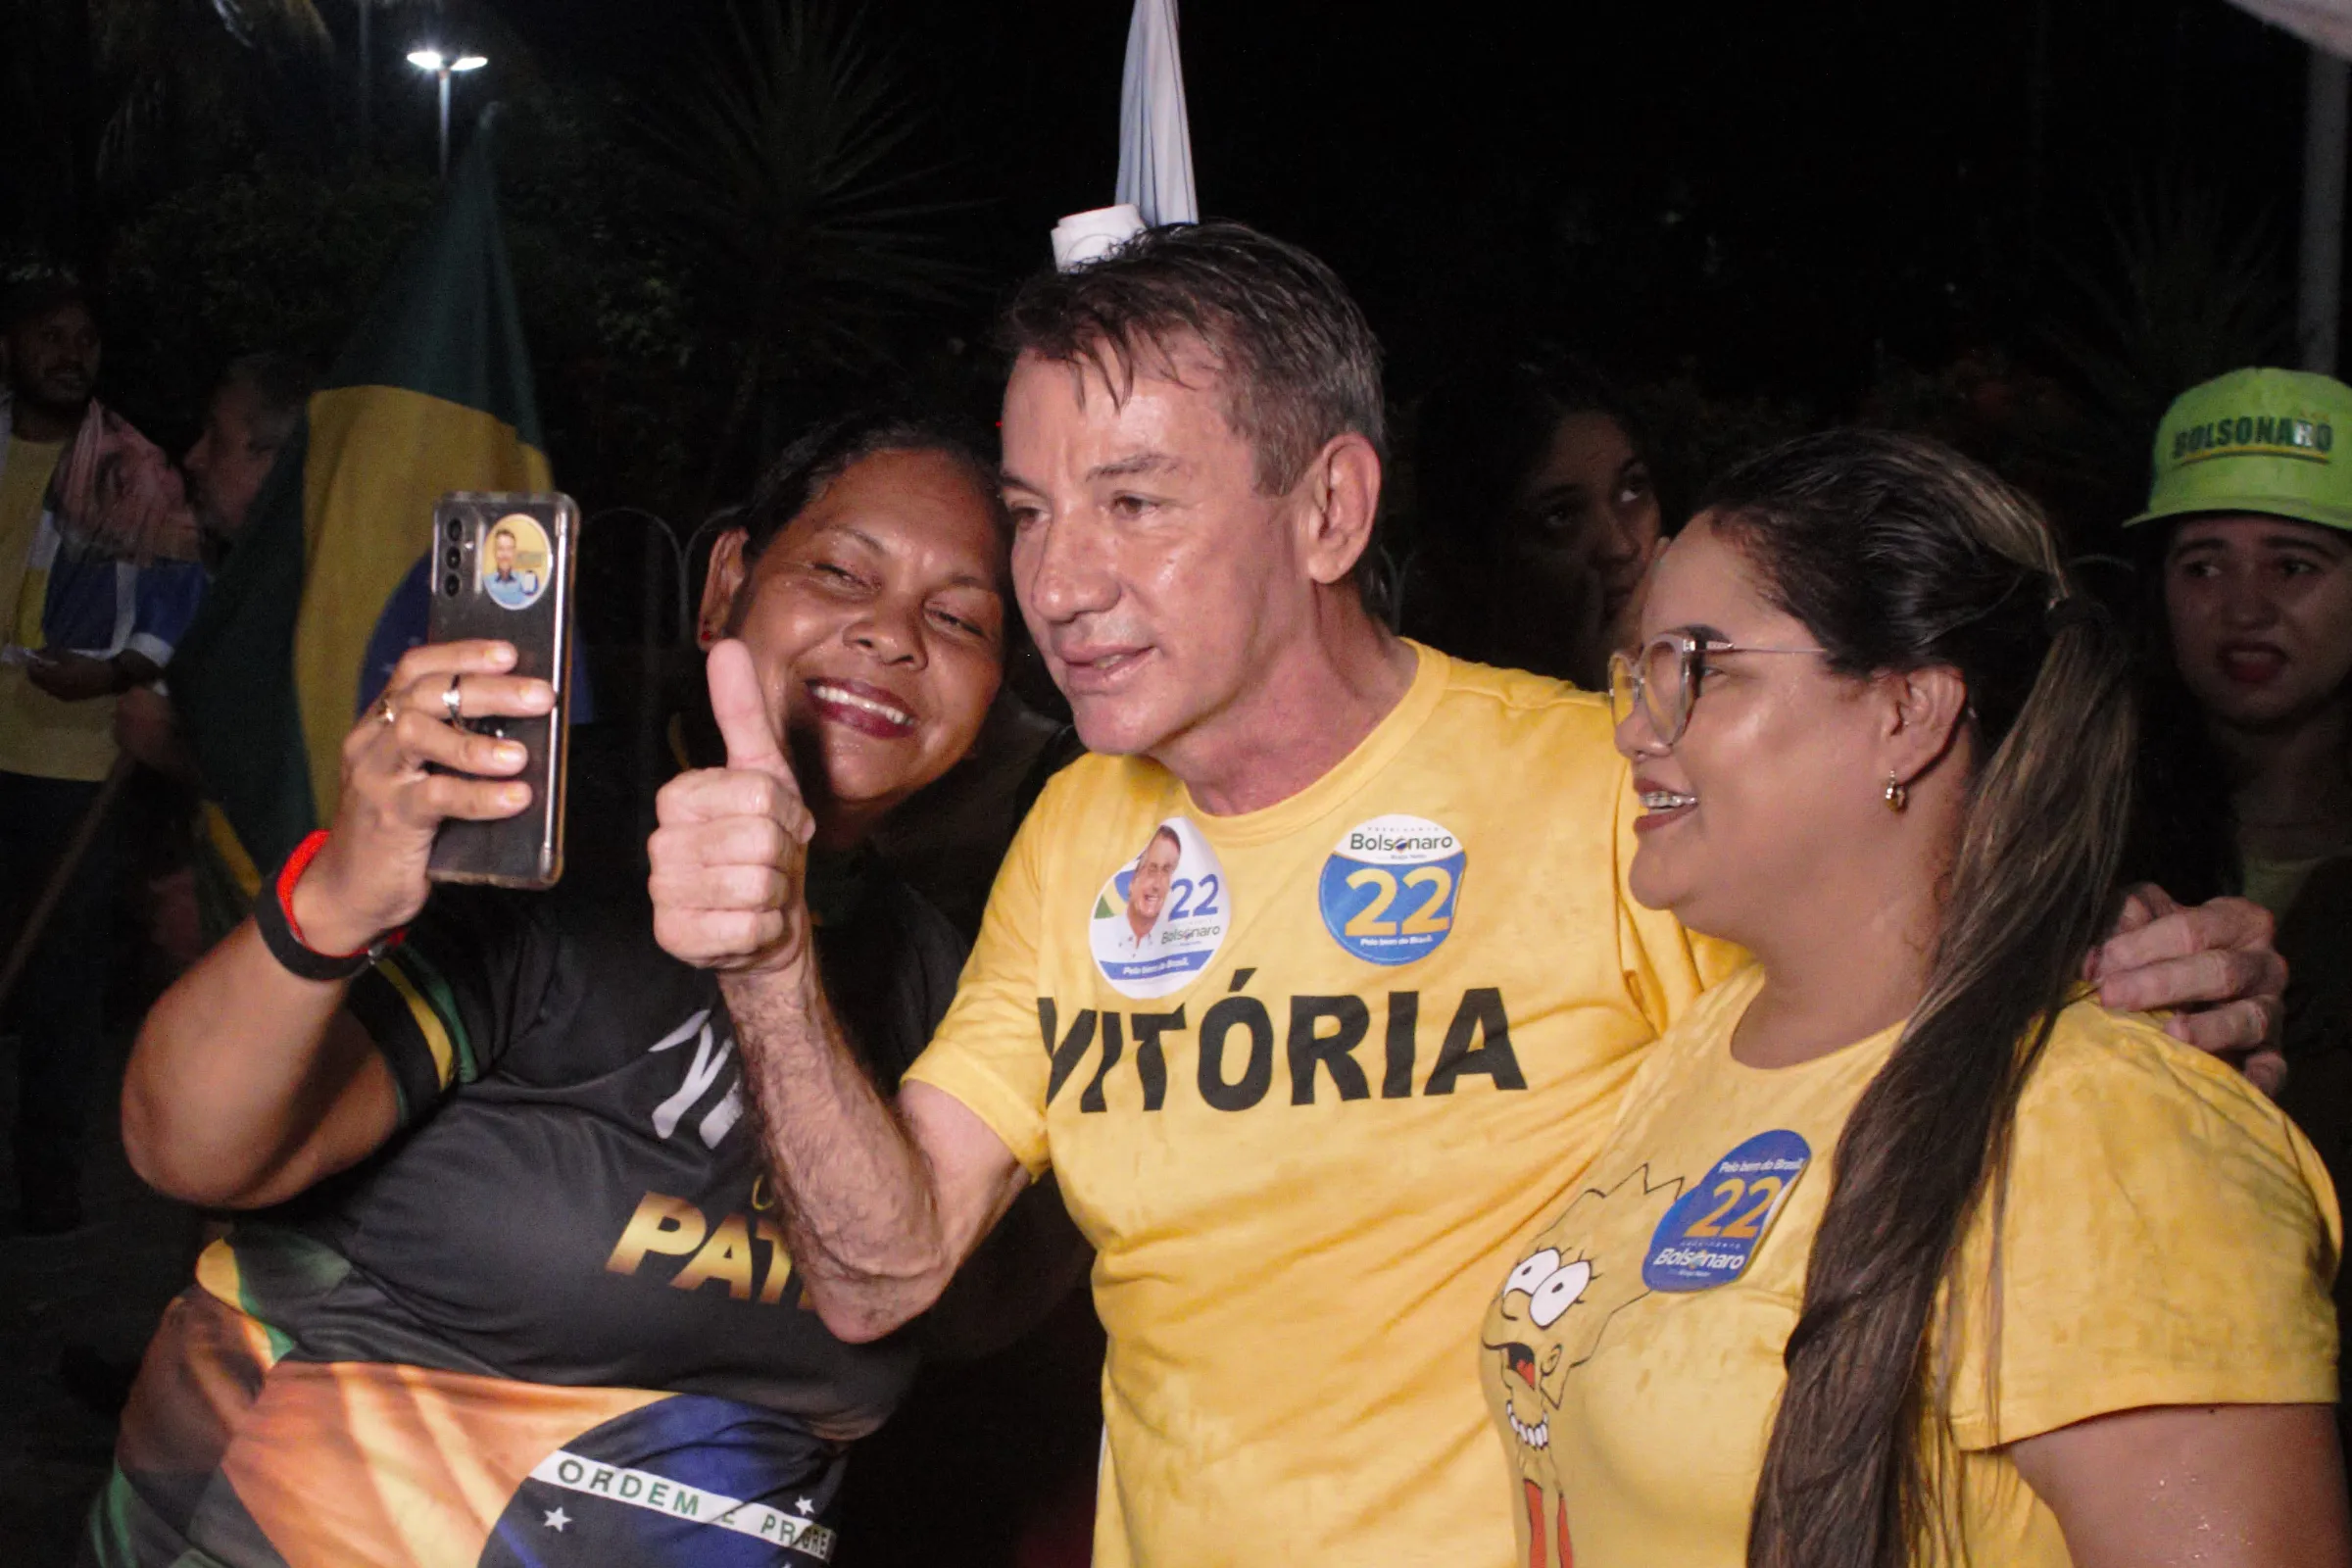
point(2170, 1238)
point(1666, 967)
point(985, 1051)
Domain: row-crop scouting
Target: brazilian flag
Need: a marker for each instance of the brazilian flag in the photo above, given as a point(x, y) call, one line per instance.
point(431, 394)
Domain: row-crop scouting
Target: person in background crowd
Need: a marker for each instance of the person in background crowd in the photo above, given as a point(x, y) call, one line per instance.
point(2248, 542)
point(90, 519)
point(250, 415)
point(1537, 516)
point(1400, 988)
point(2058, 1263)
point(509, 1285)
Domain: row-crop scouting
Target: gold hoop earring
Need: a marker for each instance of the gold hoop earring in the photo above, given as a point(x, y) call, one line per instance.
point(1897, 795)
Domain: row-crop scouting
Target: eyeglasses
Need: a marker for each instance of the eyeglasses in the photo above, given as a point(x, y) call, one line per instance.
point(1662, 679)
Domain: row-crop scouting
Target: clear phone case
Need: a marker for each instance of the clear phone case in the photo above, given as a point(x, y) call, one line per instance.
point(503, 568)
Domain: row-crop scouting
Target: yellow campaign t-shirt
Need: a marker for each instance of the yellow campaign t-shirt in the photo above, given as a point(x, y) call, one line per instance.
point(39, 734)
point(1304, 1084)
point(2170, 1239)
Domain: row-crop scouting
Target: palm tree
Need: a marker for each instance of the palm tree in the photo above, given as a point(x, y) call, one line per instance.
point(172, 72)
point(2184, 292)
point(788, 154)
point(105, 98)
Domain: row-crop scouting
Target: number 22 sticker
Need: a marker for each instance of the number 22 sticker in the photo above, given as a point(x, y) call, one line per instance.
point(1390, 887)
point(1162, 916)
point(1712, 1232)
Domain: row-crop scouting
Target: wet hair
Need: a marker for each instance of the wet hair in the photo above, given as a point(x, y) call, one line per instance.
point(1898, 554)
point(1298, 364)
point(1483, 429)
point(282, 385)
point(808, 468)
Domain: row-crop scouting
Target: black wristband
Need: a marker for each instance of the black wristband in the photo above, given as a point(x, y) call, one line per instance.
point(298, 959)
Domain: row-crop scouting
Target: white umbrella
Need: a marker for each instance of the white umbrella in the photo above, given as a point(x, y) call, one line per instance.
point(2323, 23)
point(1155, 146)
point(2326, 25)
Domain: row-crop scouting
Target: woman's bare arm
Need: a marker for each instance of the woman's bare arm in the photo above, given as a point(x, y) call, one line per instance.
point(247, 1083)
point(2232, 1486)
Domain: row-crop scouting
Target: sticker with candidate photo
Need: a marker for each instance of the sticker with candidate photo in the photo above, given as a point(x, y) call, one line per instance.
point(1162, 916)
point(514, 560)
point(1713, 1230)
point(1389, 889)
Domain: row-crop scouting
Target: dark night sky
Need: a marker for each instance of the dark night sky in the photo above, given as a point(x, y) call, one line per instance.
point(1769, 195)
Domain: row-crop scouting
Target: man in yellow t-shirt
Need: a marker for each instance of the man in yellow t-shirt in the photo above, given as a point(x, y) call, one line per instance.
point(50, 764)
point(1296, 1154)
point(78, 626)
point(1385, 1012)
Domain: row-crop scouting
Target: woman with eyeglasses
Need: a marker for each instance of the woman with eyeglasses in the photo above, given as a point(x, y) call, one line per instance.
point(1901, 1250)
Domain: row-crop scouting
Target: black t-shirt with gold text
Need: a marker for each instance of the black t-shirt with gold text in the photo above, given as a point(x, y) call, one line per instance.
point(553, 1320)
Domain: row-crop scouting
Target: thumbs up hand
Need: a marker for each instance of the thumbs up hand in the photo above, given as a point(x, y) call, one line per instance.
point(732, 842)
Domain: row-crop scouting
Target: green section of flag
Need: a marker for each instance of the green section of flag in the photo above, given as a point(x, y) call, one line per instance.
point(232, 677)
point(446, 324)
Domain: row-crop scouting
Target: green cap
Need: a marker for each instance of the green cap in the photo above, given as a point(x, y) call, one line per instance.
point(2261, 441)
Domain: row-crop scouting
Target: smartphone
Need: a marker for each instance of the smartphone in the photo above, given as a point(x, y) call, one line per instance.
point(503, 568)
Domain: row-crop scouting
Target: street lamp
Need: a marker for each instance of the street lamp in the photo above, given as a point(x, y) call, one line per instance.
point(442, 67)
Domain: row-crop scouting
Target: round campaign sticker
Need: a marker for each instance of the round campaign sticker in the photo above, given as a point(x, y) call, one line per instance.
point(515, 562)
point(1708, 1236)
point(1163, 916)
point(1389, 888)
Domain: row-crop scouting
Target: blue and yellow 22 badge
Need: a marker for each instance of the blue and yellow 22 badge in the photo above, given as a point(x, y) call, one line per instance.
point(1389, 888)
point(1713, 1230)
point(1163, 916)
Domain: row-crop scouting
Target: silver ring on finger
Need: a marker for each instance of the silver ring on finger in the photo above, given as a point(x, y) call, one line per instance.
point(387, 711)
point(449, 699)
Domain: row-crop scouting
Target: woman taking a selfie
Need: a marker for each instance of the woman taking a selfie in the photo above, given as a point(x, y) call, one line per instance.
point(1899, 1251)
point(510, 1288)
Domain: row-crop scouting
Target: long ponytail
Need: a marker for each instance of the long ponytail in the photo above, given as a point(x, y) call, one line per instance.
point(1898, 554)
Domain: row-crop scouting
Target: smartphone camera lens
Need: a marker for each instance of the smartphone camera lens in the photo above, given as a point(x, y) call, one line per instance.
point(451, 586)
point(453, 558)
point(453, 530)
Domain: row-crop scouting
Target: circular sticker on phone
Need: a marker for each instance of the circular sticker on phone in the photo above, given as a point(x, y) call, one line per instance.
point(1163, 916)
point(1389, 888)
point(516, 561)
